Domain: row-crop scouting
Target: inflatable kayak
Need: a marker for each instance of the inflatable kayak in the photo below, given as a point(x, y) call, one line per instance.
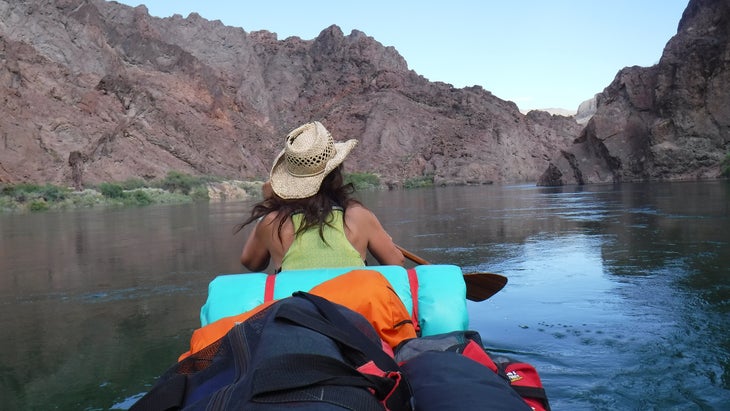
point(296, 349)
point(437, 292)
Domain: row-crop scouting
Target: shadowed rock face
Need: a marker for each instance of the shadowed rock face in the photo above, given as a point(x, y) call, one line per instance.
point(97, 91)
point(670, 121)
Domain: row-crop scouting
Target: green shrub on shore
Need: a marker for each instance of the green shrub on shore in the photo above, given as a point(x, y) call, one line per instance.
point(138, 198)
point(53, 193)
point(176, 181)
point(175, 187)
point(16, 192)
point(32, 197)
point(30, 192)
point(419, 182)
point(363, 181)
point(132, 192)
point(200, 193)
point(133, 184)
point(111, 190)
point(121, 196)
point(6, 204)
point(38, 205)
point(726, 166)
point(252, 188)
point(83, 199)
point(148, 196)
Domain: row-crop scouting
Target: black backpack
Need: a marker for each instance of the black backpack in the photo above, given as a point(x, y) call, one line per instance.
point(302, 352)
point(454, 371)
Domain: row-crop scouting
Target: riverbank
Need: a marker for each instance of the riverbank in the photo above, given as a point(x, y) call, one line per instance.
point(175, 188)
point(45, 198)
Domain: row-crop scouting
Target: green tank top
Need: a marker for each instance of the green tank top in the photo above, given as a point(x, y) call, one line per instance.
point(309, 251)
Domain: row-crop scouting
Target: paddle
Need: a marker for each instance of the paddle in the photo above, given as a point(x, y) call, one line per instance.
point(479, 286)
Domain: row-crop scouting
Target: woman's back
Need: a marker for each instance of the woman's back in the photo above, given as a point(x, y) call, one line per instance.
point(362, 230)
point(295, 226)
point(329, 247)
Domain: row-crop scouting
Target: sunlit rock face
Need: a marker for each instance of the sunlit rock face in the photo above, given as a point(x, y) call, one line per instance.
point(98, 91)
point(670, 121)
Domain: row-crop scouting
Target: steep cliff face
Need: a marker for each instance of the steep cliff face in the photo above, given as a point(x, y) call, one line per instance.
point(99, 91)
point(670, 121)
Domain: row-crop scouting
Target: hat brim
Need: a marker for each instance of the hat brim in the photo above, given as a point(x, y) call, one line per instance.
point(291, 187)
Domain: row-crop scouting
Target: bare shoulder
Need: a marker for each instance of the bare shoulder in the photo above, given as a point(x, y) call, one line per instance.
point(270, 218)
point(267, 224)
point(359, 212)
point(369, 231)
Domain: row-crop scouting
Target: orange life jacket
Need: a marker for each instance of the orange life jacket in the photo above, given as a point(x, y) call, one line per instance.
point(365, 291)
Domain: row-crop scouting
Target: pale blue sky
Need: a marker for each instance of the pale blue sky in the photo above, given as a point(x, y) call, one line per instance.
point(539, 54)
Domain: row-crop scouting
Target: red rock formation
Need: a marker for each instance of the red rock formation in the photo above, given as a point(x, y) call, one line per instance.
point(137, 96)
point(666, 122)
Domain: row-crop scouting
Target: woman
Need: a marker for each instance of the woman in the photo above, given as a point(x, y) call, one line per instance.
point(307, 218)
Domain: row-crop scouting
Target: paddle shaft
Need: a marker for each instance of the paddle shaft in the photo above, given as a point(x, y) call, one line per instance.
point(409, 255)
point(479, 286)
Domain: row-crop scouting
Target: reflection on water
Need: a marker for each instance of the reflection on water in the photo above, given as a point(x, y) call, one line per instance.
point(619, 295)
point(99, 302)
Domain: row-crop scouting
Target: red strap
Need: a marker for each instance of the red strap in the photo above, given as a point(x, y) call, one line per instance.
point(477, 353)
point(372, 369)
point(269, 288)
point(413, 283)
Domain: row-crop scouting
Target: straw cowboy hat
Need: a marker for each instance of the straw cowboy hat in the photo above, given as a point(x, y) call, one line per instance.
point(309, 154)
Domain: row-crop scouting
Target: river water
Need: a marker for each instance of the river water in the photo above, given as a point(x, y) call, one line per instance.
point(619, 295)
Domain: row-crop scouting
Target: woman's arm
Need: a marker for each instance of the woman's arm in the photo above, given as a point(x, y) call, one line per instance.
point(379, 242)
point(255, 255)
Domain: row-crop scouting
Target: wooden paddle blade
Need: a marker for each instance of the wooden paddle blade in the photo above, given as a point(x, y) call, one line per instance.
point(480, 286)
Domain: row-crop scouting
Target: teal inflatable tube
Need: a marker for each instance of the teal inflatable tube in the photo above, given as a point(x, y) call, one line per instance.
point(441, 293)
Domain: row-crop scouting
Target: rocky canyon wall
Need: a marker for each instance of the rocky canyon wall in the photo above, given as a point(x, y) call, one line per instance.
point(670, 121)
point(100, 91)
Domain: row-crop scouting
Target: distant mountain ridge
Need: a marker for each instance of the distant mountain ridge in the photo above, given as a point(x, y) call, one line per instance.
point(98, 91)
point(106, 92)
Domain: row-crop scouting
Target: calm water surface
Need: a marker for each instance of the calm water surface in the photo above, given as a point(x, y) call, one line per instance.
point(618, 295)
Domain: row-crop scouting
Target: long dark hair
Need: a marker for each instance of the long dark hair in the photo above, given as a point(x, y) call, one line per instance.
point(317, 209)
